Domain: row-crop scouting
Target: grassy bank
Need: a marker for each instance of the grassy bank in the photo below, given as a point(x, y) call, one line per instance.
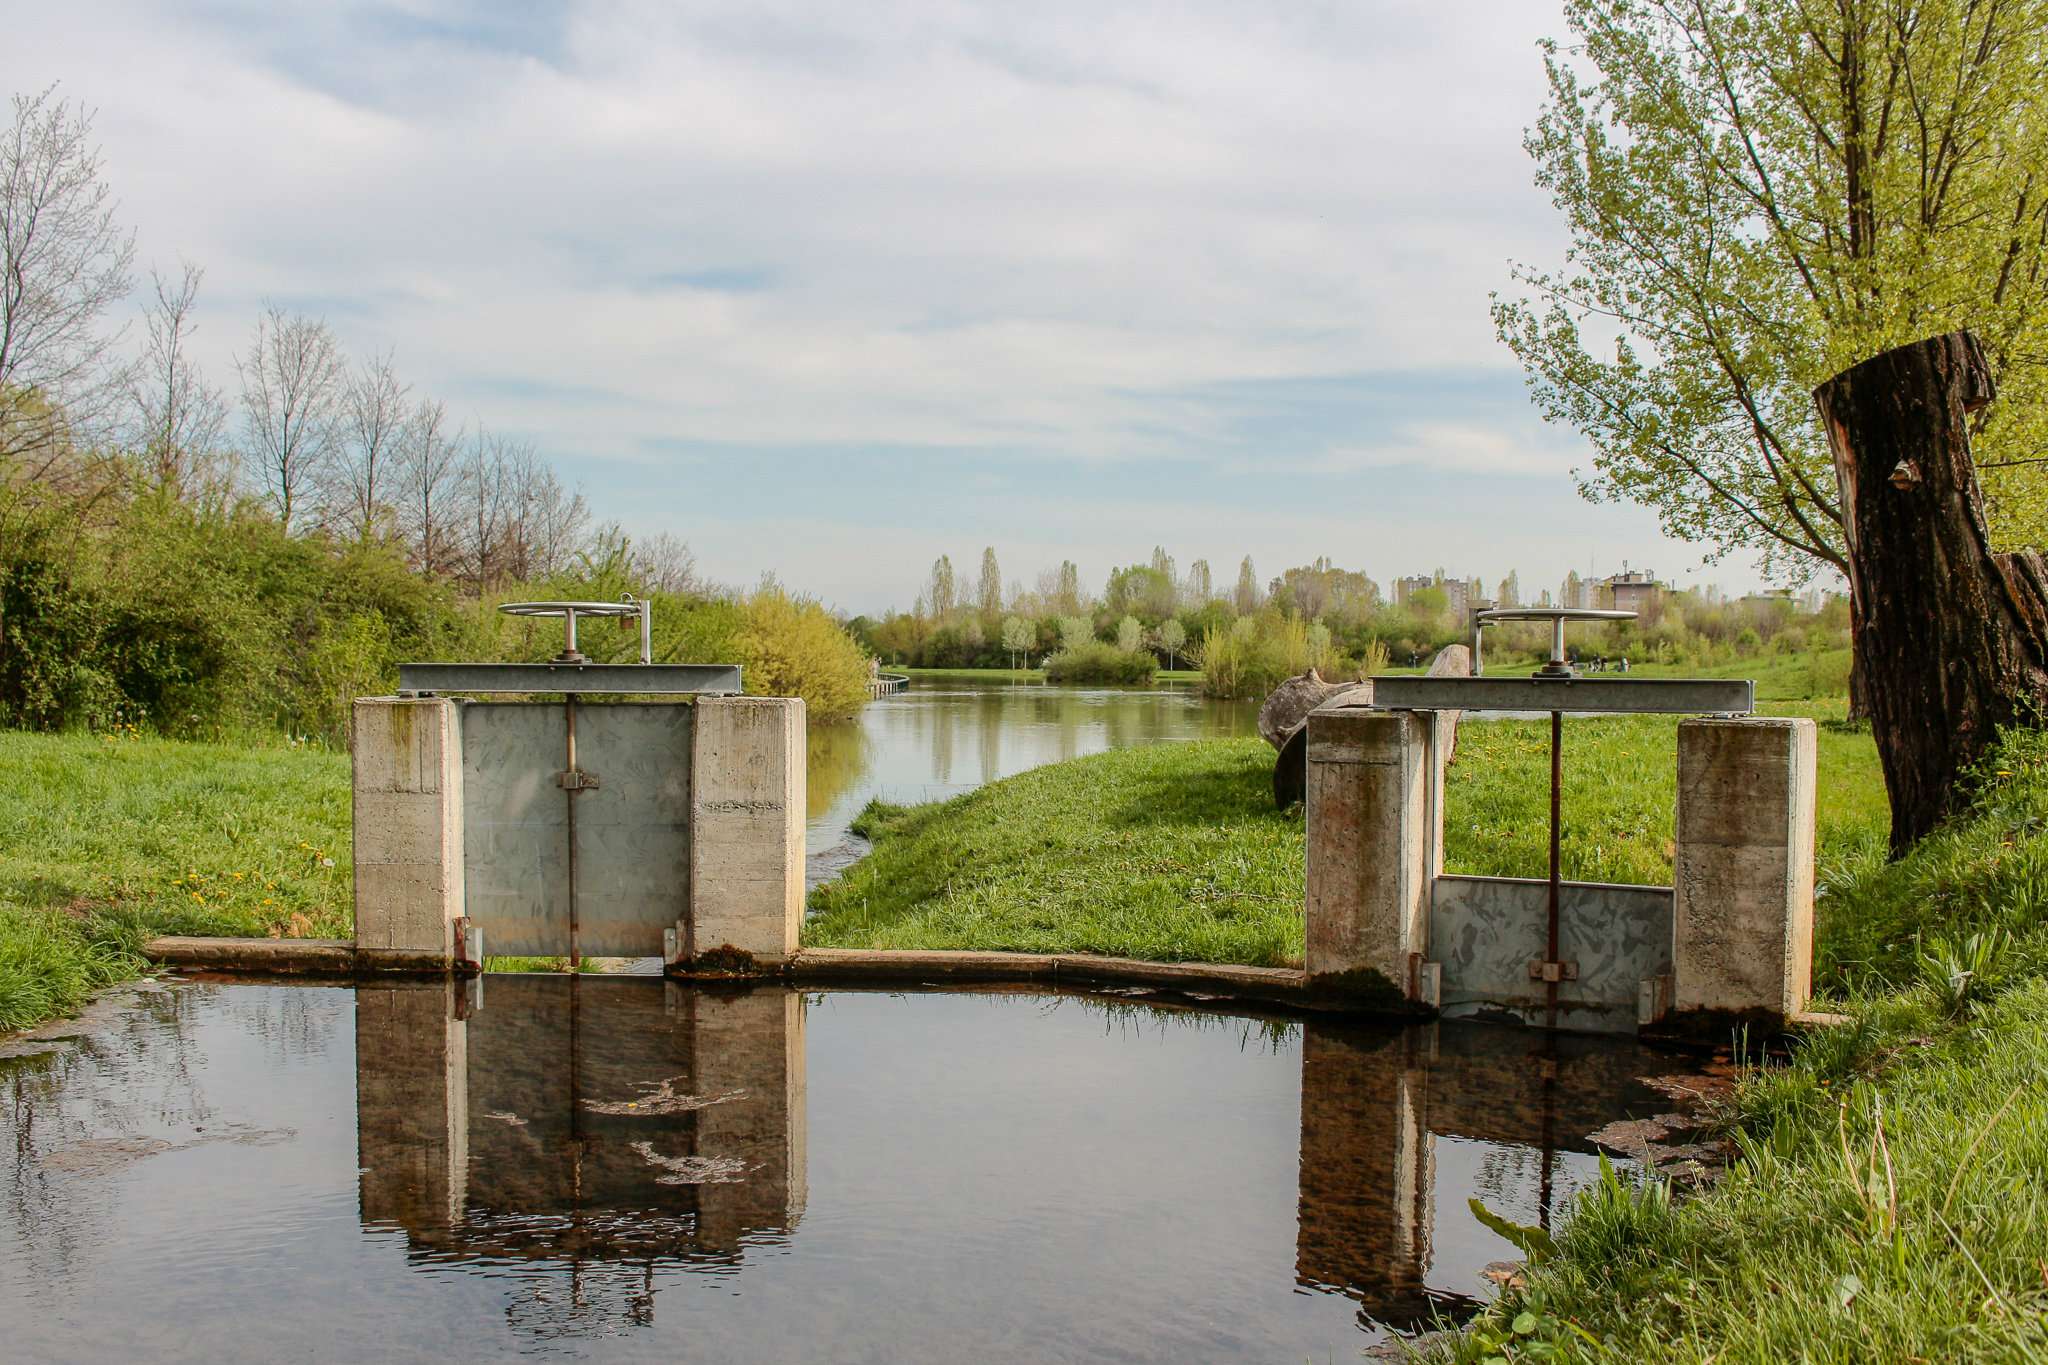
point(1169, 851)
point(1887, 1202)
point(105, 841)
point(1174, 851)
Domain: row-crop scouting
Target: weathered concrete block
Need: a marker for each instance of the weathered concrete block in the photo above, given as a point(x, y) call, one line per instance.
point(747, 799)
point(1373, 848)
point(408, 824)
point(1743, 880)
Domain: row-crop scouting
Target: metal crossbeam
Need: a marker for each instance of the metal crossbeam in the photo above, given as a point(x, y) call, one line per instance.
point(611, 679)
point(1622, 696)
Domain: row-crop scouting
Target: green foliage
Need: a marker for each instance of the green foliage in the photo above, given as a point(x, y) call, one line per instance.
point(1759, 195)
point(1886, 1202)
point(791, 647)
point(1260, 652)
point(202, 620)
point(1095, 662)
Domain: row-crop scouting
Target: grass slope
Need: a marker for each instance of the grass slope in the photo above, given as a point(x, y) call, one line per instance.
point(105, 841)
point(1174, 851)
point(1169, 851)
point(1888, 1201)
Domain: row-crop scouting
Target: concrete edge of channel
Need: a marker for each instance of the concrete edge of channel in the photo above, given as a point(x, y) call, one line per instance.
point(939, 968)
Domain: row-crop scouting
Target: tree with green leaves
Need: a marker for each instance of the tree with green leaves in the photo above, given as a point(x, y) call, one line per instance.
point(988, 593)
point(1760, 194)
point(939, 593)
point(1068, 597)
point(1017, 637)
point(1075, 631)
point(1130, 635)
point(1173, 637)
point(1246, 598)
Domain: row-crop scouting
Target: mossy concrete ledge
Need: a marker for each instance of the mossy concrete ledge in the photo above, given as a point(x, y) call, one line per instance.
point(291, 956)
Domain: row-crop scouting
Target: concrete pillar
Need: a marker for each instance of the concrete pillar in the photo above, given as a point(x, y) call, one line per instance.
point(1743, 904)
point(412, 1107)
point(408, 830)
point(746, 831)
point(1374, 847)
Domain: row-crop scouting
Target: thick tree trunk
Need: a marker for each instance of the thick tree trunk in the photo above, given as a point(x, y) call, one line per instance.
point(1951, 639)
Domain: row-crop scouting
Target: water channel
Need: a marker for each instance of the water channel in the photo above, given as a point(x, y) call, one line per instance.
point(944, 736)
point(630, 1169)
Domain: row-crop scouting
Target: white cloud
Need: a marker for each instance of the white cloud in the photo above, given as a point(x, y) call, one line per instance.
point(1025, 231)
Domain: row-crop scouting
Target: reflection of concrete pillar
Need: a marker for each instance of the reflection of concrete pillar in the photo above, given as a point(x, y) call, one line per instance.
point(747, 827)
point(750, 1046)
point(1372, 849)
point(1743, 904)
point(1367, 1171)
point(412, 1105)
point(408, 829)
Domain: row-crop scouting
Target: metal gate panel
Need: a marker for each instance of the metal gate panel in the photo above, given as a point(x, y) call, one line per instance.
point(515, 839)
point(631, 863)
point(633, 828)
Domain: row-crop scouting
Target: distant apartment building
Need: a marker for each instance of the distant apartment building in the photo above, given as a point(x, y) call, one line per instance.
point(1406, 588)
point(1635, 590)
point(1459, 594)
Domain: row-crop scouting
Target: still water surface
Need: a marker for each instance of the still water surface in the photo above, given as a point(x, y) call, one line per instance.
point(941, 737)
point(629, 1169)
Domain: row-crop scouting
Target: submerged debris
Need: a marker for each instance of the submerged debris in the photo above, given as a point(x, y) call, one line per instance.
point(693, 1170)
point(662, 1099)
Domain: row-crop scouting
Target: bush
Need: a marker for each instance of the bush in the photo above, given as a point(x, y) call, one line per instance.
point(791, 647)
point(1096, 662)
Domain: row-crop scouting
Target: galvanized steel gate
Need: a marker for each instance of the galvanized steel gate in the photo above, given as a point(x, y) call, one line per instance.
point(576, 814)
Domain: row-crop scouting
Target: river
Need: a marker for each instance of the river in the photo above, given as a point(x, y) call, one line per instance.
point(944, 736)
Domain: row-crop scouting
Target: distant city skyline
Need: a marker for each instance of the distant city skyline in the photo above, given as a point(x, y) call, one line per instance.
point(827, 291)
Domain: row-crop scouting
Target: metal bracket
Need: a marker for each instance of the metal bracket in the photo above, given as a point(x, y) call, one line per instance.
point(469, 946)
point(576, 780)
point(1553, 972)
point(1653, 1000)
point(675, 943)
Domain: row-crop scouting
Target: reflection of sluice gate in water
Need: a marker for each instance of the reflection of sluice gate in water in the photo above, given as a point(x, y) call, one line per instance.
point(611, 1128)
point(608, 1121)
point(1373, 1109)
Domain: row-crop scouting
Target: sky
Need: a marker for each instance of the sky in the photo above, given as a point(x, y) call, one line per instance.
point(830, 289)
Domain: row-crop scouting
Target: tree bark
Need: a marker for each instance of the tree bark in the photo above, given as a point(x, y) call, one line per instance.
point(1951, 639)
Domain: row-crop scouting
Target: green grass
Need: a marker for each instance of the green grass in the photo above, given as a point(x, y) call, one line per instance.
point(1496, 820)
point(1888, 1200)
point(1174, 851)
point(1166, 851)
point(105, 841)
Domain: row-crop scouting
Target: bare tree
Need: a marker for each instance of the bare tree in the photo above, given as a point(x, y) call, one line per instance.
point(179, 418)
point(426, 487)
point(63, 262)
point(481, 493)
point(365, 473)
point(292, 382)
point(665, 563)
point(545, 518)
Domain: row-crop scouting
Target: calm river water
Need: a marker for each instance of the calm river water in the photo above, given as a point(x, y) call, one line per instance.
point(942, 737)
point(628, 1169)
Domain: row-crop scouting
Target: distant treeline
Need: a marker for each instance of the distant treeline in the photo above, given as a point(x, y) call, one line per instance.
point(1250, 637)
